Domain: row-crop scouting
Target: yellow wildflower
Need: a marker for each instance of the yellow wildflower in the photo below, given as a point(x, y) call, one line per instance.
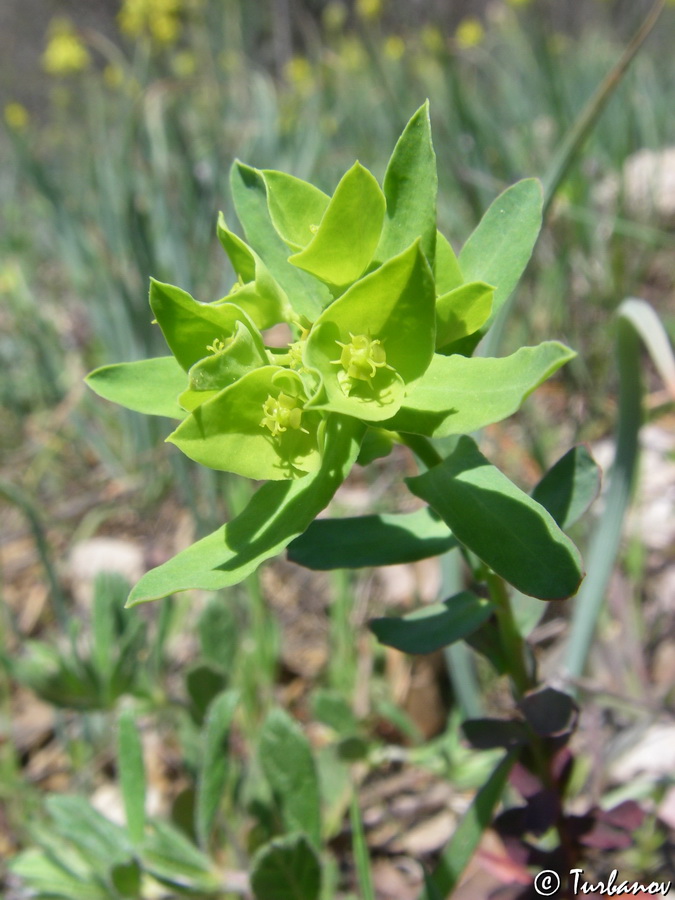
point(470, 33)
point(369, 10)
point(298, 71)
point(65, 53)
point(394, 47)
point(183, 64)
point(157, 19)
point(334, 15)
point(16, 116)
point(432, 39)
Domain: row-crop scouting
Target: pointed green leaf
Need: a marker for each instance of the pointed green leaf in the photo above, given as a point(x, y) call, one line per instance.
point(447, 272)
point(458, 395)
point(131, 774)
point(296, 207)
point(149, 386)
point(462, 311)
point(499, 249)
point(388, 316)
point(380, 540)
point(570, 486)
point(502, 525)
point(168, 855)
point(434, 626)
point(307, 296)
point(232, 432)
point(48, 879)
point(256, 292)
point(410, 188)
point(287, 868)
point(461, 847)
point(349, 231)
point(278, 512)
point(287, 761)
point(97, 838)
point(194, 330)
point(214, 766)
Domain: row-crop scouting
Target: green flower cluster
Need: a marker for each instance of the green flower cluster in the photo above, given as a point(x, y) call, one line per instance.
point(381, 319)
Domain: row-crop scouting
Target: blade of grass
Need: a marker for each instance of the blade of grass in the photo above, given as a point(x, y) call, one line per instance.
point(360, 850)
point(636, 319)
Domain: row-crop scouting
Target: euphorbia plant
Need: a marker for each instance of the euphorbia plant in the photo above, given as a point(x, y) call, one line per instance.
point(383, 317)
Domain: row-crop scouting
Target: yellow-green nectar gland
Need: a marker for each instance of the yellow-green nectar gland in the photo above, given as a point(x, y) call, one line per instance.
point(281, 413)
point(360, 359)
point(217, 346)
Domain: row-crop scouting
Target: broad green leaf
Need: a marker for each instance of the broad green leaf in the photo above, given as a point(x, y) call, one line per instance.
point(127, 879)
point(376, 540)
point(256, 292)
point(349, 231)
point(376, 338)
point(218, 634)
point(447, 273)
point(203, 681)
point(434, 626)
point(410, 188)
point(500, 247)
point(458, 852)
point(306, 295)
point(47, 878)
point(149, 386)
point(277, 513)
point(286, 758)
point(462, 311)
point(233, 431)
point(215, 762)
point(296, 207)
point(131, 774)
point(570, 486)
point(194, 330)
point(287, 868)
point(458, 395)
point(502, 525)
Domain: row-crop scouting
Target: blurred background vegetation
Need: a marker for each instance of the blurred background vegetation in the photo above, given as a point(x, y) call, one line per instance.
point(120, 123)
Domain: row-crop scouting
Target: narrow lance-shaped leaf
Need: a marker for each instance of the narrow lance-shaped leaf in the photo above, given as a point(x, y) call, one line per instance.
point(457, 395)
point(502, 525)
point(447, 272)
point(132, 774)
point(277, 513)
point(287, 761)
point(410, 188)
point(457, 853)
point(377, 540)
point(500, 247)
point(214, 765)
point(348, 233)
point(306, 295)
point(434, 626)
point(149, 386)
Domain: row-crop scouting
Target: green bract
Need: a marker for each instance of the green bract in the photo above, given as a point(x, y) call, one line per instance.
point(383, 315)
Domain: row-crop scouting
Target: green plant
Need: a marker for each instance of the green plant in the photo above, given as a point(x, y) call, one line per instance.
point(383, 318)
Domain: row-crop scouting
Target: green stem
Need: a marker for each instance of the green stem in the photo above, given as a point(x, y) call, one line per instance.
point(584, 124)
point(511, 639)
